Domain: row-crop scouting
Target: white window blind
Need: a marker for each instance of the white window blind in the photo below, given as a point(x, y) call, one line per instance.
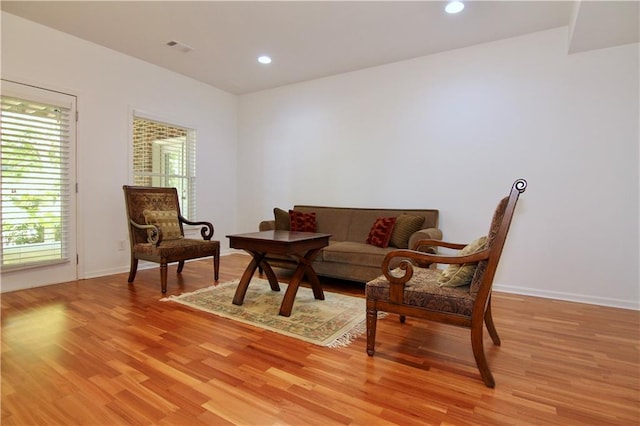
point(164, 156)
point(35, 182)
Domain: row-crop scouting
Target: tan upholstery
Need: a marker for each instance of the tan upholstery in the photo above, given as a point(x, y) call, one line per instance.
point(348, 256)
point(147, 240)
point(409, 290)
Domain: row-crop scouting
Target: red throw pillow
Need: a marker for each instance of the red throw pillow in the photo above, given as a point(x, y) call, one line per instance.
point(302, 222)
point(380, 233)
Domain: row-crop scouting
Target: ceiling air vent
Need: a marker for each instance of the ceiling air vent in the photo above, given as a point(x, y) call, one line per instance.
point(184, 48)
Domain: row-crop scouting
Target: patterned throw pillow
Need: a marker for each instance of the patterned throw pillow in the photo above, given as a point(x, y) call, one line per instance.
point(302, 222)
point(380, 232)
point(166, 220)
point(459, 275)
point(406, 225)
point(283, 223)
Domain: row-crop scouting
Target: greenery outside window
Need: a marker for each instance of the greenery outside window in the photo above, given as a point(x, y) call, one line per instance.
point(164, 156)
point(35, 183)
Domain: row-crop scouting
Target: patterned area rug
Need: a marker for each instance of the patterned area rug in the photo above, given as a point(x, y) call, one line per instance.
point(333, 322)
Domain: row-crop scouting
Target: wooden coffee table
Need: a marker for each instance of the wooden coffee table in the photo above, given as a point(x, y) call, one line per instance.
point(304, 246)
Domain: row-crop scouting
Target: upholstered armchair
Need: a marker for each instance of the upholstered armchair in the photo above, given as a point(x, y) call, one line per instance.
point(459, 295)
point(156, 232)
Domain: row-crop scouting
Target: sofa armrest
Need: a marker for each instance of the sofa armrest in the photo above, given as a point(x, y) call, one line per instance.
point(421, 235)
point(424, 234)
point(267, 225)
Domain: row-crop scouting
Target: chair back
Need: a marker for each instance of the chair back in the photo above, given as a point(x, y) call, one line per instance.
point(141, 198)
point(486, 270)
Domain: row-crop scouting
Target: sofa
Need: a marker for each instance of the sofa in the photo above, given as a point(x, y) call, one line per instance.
point(355, 251)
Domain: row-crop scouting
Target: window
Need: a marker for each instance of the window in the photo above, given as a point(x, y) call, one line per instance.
point(164, 155)
point(36, 182)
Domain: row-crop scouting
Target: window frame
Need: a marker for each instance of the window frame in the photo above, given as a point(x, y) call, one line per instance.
point(191, 147)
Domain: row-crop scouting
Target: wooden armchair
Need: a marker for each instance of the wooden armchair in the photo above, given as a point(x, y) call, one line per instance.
point(430, 294)
point(156, 231)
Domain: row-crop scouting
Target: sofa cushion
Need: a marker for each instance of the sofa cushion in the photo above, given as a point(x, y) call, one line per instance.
point(380, 232)
point(166, 221)
point(330, 220)
point(360, 224)
point(283, 222)
point(354, 253)
point(459, 275)
point(405, 226)
point(302, 222)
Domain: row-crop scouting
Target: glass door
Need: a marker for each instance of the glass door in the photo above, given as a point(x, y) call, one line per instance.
point(38, 209)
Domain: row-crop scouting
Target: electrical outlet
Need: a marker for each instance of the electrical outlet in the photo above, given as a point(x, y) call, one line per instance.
point(122, 244)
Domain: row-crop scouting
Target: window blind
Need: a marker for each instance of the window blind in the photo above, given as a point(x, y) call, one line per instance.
point(35, 182)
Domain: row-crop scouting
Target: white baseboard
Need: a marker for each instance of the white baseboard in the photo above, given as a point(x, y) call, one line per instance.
point(141, 265)
point(525, 291)
point(569, 297)
point(119, 270)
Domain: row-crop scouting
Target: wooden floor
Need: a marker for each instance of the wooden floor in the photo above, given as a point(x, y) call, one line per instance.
point(102, 352)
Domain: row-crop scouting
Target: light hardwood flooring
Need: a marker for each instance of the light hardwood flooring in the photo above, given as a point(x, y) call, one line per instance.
point(102, 352)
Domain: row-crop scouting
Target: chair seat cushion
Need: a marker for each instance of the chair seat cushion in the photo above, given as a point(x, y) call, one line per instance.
point(185, 248)
point(422, 290)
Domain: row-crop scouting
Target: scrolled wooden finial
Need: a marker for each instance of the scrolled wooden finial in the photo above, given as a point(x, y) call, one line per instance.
point(520, 185)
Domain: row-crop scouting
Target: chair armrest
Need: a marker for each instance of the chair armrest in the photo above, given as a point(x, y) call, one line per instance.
point(207, 228)
point(155, 236)
point(406, 256)
point(438, 243)
point(267, 225)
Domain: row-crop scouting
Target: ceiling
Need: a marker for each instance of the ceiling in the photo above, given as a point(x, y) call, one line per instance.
point(314, 39)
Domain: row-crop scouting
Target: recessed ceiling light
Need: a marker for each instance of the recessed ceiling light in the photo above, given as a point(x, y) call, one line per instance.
point(264, 59)
point(454, 7)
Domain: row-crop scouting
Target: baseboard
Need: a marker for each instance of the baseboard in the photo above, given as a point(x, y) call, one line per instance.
point(141, 265)
point(569, 297)
point(119, 270)
point(525, 291)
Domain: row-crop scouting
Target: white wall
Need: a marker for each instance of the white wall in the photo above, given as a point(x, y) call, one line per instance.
point(448, 131)
point(108, 86)
point(452, 131)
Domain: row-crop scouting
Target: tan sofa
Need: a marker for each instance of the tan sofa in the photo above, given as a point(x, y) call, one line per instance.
point(348, 256)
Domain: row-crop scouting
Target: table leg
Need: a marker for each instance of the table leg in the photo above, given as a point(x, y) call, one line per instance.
point(257, 258)
point(271, 276)
point(315, 283)
point(304, 266)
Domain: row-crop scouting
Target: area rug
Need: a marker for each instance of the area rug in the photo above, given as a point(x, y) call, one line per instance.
point(333, 322)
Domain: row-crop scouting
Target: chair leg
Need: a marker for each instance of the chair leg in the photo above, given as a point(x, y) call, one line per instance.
point(133, 269)
point(180, 266)
point(491, 328)
point(216, 264)
point(478, 354)
point(403, 318)
point(163, 277)
point(372, 319)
